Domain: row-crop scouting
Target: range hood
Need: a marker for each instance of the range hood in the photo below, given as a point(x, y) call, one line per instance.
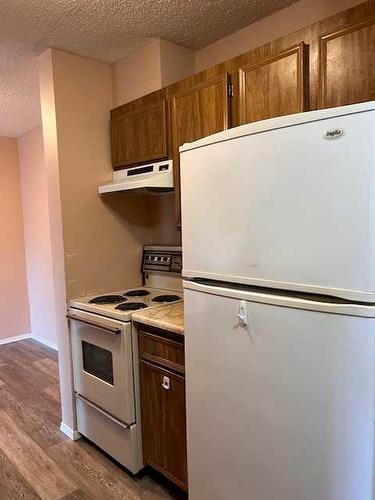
point(155, 177)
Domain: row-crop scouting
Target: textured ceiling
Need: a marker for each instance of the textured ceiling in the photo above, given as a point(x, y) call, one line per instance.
point(102, 29)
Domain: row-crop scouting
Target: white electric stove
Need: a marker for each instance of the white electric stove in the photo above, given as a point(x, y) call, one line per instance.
point(105, 355)
point(122, 303)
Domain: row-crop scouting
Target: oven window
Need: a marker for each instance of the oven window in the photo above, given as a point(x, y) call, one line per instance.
point(97, 361)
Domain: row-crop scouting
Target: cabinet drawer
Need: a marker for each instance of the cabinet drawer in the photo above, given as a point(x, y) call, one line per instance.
point(162, 351)
point(121, 442)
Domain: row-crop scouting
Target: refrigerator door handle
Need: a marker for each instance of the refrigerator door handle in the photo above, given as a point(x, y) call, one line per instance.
point(242, 314)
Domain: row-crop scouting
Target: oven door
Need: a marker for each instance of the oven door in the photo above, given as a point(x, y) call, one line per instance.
point(103, 363)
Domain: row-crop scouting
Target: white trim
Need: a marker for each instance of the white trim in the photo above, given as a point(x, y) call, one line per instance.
point(25, 336)
point(45, 342)
point(16, 338)
point(73, 435)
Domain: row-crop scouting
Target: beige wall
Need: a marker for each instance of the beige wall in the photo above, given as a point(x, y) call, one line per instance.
point(155, 65)
point(138, 74)
point(47, 98)
point(281, 23)
point(163, 221)
point(14, 306)
point(176, 62)
point(97, 241)
point(103, 236)
point(37, 236)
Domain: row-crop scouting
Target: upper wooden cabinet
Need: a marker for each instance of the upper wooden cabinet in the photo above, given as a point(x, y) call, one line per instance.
point(198, 111)
point(274, 86)
point(139, 131)
point(347, 65)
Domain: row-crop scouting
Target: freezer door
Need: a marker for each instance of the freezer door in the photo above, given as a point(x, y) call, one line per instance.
point(280, 409)
point(291, 207)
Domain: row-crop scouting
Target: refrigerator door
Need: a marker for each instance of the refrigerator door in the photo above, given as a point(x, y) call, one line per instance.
point(287, 203)
point(280, 401)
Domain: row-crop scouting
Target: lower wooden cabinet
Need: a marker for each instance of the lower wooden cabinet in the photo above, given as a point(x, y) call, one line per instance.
point(163, 411)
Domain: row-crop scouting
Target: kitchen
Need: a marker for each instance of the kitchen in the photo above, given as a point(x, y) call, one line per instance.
point(118, 242)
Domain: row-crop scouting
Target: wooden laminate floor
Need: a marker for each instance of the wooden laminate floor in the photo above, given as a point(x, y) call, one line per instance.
point(37, 461)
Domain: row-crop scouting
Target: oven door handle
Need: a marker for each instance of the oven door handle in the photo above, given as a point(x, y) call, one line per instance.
point(113, 331)
point(96, 408)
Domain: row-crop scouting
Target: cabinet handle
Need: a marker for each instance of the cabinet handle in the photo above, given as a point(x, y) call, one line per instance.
point(166, 383)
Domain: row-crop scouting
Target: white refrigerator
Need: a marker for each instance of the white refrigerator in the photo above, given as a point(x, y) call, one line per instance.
point(278, 231)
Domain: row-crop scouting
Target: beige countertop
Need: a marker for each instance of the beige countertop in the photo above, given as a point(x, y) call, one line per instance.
point(168, 317)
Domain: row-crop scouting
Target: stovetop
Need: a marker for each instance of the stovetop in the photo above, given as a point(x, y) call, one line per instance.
point(121, 304)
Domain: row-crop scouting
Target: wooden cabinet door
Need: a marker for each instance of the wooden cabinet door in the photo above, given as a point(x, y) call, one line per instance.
point(164, 422)
point(347, 65)
point(274, 86)
point(199, 111)
point(139, 131)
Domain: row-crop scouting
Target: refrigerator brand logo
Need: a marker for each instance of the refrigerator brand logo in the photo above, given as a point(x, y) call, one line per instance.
point(334, 133)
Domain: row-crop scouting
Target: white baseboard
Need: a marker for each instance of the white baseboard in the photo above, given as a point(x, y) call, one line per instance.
point(16, 338)
point(25, 336)
point(73, 435)
point(45, 342)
